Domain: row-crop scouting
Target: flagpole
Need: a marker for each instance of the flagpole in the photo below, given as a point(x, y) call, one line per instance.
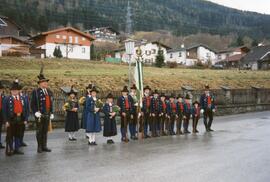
point(139, 83)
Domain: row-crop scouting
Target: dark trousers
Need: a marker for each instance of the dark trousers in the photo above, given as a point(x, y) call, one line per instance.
point(172, 123)
point(22, 133)
point(42, 131)
point(14, 132)
point(163, 121)
point(133, 124)
point(195, 121)
point(124, 124)
point(208, 113)
point(147, 121)
point(186, 122)
point(179, 124)
point(1, 125)
point(154, 124)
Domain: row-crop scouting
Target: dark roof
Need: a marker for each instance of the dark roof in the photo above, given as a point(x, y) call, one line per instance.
point(137, 44)
point(21, 39)
point(102, 28)
point(232, 49)
point(201, 45)
point(176, 50)
point(256, 54)
point(11, 21)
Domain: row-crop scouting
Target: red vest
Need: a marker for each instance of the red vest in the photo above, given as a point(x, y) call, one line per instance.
point(148, 102)
point(18, 108)
point(126, 104)
point(1, 102)
point(173, 106)
point(48, 103)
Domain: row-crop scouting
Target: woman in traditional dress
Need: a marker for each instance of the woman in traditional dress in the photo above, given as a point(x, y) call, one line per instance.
point(110, 111)
point(72, 119)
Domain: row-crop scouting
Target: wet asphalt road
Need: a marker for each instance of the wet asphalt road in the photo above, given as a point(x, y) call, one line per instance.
point(238, 150)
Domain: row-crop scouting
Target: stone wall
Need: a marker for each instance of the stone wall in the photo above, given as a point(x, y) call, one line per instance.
point(228, 101)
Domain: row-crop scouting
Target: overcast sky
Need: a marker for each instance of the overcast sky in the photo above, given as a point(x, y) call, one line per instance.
point(261, 6)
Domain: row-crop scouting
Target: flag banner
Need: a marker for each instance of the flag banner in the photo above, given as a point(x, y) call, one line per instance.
point(138, 77)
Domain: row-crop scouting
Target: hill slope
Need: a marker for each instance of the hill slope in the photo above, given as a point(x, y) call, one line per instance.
point(114, 76)
point(182, 17)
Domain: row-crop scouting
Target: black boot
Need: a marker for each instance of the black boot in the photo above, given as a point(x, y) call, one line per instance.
point(44, 144)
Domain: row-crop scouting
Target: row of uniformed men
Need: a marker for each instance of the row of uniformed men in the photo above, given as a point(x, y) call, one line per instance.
point(158, 117)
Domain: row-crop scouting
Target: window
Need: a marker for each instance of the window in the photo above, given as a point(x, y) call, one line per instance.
point(71, 49)
point(171, 55)
point(208, 54)
point(148, 53)
point(180, 54)
point(83, 50)
point(70, 39)
point(76, 40)
point(154, 51)
point(2, 22)
point(64, 37)
point(83, 39)
point(58, 36)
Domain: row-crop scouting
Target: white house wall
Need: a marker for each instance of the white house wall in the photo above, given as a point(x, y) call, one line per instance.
point(149, 53)
point(205, 54)
point(174, 57)
point(74, 51)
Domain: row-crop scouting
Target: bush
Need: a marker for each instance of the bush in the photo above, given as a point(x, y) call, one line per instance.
point(172, 64)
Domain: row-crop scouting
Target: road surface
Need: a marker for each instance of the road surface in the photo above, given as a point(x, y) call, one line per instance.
point(238, 150)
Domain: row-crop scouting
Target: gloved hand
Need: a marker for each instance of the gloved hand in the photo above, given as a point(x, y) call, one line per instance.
point(38, 114)
point(51, 116)
point(202, 111)
point(214, 110)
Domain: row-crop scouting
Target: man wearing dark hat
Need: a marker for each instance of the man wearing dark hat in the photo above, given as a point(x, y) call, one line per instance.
point(42, 107)
point(195, 116)
point(154, 112)
point(2, 98)
point(187, 113)
point(208, 108)
point(180, 111)
point(27, 106)
point(134, 120)
point(125, 102)
point(163, 122)
point(14, 110)
point(172, 114)
point(146, 110)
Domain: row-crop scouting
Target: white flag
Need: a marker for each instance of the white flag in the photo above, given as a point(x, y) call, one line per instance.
point(138, 76)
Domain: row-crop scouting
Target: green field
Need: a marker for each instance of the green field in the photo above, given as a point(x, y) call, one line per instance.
point(114, 76)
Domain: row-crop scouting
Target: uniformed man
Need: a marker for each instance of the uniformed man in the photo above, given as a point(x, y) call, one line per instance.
point(125, 102)
point(134, 120)
point(180, 113)
point(2, 98)
point(14, 110)
point(208, 108)
point(154, 112)
point(42, 107)
point(172, 114)
point(187, 113)
point(146, 110)
point(163, 121)
point(27, 106)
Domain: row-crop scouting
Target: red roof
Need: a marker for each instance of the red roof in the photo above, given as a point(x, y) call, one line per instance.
point(68, 29)
point(234, 58)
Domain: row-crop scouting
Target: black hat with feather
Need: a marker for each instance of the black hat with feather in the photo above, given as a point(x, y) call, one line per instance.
point(41, 77)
